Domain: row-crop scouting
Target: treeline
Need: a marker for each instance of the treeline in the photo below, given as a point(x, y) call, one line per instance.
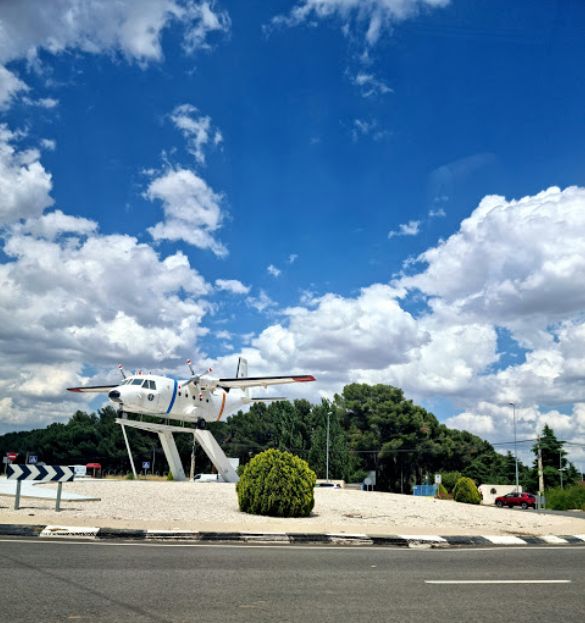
point(371, 428)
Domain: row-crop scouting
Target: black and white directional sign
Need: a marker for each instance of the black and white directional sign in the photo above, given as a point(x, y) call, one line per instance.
point(46, 473)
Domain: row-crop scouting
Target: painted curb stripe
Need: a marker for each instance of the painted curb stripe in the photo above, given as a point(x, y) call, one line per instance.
point(505, 540)
point(396, 540)
point(69, 531)
point(554, 540)
point(423, 537)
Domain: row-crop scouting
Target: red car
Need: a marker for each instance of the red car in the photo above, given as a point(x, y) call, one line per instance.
point(525, 500)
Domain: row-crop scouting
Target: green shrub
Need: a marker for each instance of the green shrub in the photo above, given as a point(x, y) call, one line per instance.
point(465, 491)
point(566, 499)
point(278, 484)
point(442, 493)
point(170, 476)
point(449, 479)
point(129, 476)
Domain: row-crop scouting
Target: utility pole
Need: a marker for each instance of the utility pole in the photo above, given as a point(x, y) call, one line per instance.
point(513, 405)
point(540, 471)
point(561, 467)
point(327, 458)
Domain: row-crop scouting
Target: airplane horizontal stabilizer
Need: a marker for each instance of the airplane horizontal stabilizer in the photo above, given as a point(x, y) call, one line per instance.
point(95, 389)
point(263, 381)
point(267, 398)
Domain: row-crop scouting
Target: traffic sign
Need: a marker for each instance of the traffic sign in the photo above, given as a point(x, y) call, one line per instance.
point(438, 479)
point(145, 464)
point(12, 455)
point(46, 473)
point(32, 459)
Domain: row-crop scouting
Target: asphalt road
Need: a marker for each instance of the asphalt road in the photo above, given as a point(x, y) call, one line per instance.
point(62, 581)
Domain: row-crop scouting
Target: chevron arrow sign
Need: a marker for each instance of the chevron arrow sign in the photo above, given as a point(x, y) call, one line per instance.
point(45, 473)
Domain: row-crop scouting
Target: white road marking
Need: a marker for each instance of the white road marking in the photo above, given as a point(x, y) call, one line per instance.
point(423, 537)
point(497, 581)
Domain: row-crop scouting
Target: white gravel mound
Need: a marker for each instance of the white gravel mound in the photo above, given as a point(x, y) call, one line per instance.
point(214, 506)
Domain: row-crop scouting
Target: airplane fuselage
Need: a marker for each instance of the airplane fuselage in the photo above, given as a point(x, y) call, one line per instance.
point(175, 399)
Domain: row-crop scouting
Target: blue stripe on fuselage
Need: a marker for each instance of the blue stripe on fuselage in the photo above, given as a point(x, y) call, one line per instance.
point(173, 396)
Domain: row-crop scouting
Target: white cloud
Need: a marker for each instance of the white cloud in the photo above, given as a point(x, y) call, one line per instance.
point(53, 224)
point(363, 127)
point(128, 27)
point(412, 228)
point(437, 213)
point(192, 210)
point(43, 102)
point(260, 303)
point(515, 263)
point(25, 185)
point(292, 258)
point(196, 129)
point(49, 144)
point(10, 85)
point(273, 270)
point(232, 285)
point(370, 85)
point(93, 26)
point(205, 19)
point(87, 299)
point(372, 17)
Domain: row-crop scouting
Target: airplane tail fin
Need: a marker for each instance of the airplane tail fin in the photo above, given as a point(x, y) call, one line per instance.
point(242, 372)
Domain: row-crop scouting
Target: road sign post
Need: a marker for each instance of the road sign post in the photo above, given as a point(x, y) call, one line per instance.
point(41, 473)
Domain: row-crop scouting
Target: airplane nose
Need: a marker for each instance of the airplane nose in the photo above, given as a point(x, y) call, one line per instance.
point(114, 395)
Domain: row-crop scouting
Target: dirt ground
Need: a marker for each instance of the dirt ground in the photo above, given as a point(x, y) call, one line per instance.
point(214, 507)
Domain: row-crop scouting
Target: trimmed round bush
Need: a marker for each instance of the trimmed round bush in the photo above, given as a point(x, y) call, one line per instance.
point(442, 493)
point(465, 491)
point(278, 484)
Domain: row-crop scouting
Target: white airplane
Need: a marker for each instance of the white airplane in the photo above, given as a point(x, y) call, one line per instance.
point(200, 398)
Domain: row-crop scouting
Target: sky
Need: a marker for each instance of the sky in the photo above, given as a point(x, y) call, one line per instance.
point(378, 191)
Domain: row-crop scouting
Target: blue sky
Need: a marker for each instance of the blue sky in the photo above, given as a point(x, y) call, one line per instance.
point(306, 153)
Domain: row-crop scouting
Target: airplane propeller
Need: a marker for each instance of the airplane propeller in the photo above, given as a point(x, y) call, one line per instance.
point(196, 378)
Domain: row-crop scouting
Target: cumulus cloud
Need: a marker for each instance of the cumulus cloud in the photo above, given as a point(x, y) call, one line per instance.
point(10, 85)
point(71, 297)
point(126, 27)
point(370, 17)
point(232, 285)
point(515, 262)
point(196, 129)
point(192, 210)
point(25, 185)
point(412, 228)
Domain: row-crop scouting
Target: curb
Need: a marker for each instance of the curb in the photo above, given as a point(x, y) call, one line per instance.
point(280, 538)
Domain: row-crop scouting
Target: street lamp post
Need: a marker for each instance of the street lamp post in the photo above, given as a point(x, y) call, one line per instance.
point(327, 458)
point(513, 405)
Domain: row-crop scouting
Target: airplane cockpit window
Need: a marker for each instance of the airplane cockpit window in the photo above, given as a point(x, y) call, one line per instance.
point(137, 382)
point(152, 385)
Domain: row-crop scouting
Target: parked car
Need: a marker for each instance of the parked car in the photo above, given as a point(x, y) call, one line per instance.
point(525, 500)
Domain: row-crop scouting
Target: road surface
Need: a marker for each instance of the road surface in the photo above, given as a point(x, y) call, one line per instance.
point(62, 581)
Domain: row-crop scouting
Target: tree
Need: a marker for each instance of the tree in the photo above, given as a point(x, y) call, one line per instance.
point(553, 460)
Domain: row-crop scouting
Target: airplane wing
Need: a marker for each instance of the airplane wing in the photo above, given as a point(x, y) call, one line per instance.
point(263, 381)
point(95, 389)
